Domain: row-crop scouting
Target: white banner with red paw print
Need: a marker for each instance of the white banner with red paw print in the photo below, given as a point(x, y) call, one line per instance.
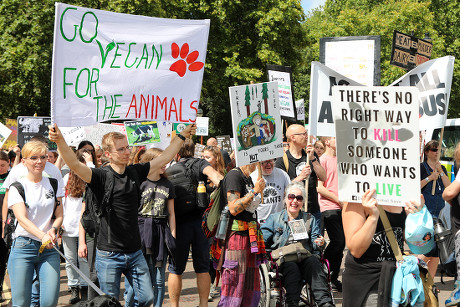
point(112, 66)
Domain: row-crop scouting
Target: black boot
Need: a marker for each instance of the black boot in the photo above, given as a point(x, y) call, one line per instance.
point(84, 293)
point(74, 295)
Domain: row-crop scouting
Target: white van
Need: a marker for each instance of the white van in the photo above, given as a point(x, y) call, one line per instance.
point(450, 139)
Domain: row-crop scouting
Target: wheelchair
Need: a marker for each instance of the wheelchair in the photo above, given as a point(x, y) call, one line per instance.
point(272, 293)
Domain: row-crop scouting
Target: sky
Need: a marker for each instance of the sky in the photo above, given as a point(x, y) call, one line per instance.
point(311, 4)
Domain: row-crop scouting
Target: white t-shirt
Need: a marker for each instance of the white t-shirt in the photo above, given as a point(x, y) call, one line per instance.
point(20, 171)
point(40, 202)
point(275, 184)
point(72, 211)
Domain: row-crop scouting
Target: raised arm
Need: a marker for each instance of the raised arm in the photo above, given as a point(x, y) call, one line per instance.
point(170, 152)
point(83, 171)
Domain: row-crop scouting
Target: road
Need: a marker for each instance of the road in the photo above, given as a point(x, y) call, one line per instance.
point(189, 295)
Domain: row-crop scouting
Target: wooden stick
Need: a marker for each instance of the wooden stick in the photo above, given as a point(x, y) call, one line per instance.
point(259, 171)
point(439, 156)
point(305, 204)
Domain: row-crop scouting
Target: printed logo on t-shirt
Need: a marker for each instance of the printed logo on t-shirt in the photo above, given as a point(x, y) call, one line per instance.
point(49, 194)
point(299, 168)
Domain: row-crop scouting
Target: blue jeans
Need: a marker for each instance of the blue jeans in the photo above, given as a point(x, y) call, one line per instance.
point(70, 245)
point(110, 266)
point(157, 277)
point(23, 262)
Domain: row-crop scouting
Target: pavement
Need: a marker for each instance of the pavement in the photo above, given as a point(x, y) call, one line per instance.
point(189, 296)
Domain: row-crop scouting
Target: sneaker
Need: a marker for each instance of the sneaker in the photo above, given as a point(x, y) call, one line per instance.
point(211, 293)
point(336, 285)
point(74, 295)
point(454, 298)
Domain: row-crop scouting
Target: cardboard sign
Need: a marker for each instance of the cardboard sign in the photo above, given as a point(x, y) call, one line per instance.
point(283, 75)
point(142, 132)
point(256, 122)
point(300, 107)
point(112, 66)
point(202, 126)
point(409, 51)
point(224, 142)
point(377, 143)
point(198, 150)
point(12, 139)
point(73, 135)
point(29, 126)
point(434, 81)
point(321, 120)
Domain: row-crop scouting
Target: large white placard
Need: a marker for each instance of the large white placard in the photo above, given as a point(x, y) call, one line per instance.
point(377, 143)
point(112, 66)
point(434, 81)
point(321, 120)
point(256, 122)
point(287, 105)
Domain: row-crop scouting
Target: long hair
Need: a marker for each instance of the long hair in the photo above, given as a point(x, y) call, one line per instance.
point(151, 154)
point(76, 186)
point(92, 152)
point(217, 153)
point(431, 144)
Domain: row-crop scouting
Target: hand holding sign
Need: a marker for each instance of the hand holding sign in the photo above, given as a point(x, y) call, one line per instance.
point(188, 131)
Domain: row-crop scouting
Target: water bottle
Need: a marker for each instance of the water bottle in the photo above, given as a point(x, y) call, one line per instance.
point(202, 196)
point(441, 237)
point(223, 224)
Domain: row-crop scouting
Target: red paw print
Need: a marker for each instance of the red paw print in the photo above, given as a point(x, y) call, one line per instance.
point(180, 66)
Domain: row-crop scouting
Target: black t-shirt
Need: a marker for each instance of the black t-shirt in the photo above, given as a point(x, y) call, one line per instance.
point(295, 167)
point(124, 206)
point(380, 248)
point(236, 181)
point(154, 198)
point(197, 172)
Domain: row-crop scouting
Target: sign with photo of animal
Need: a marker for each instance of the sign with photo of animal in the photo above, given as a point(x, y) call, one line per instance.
point(29, 126)
point(256, 122)
point(142, 132)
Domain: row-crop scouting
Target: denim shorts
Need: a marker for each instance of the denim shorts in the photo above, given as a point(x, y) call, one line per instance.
point(190, 233)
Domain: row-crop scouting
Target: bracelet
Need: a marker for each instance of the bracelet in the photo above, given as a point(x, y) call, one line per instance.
point(55, 229)
point(180, 136)
point(314, 160)
point(442, 174)
point(254, 192)
point(427, 179)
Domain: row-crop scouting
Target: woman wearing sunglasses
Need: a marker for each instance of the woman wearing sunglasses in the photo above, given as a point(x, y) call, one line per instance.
point(433, 173)
point(290, 226)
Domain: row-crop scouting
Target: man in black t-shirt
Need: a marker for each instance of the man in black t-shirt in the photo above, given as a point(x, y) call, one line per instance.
point(189, 232)
point(118, 241)
point(298, 170)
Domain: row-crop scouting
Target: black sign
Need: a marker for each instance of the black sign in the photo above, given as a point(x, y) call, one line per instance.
point(409, 51)
point(223, 141)
point(29, 126)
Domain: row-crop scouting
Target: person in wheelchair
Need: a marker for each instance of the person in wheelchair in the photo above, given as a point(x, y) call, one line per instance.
point(290, 226)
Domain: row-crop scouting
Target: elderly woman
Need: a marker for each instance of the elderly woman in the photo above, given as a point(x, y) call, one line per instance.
point(278, 231)
point(38, 222)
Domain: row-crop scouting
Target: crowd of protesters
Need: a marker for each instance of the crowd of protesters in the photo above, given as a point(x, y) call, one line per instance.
point(147, 227)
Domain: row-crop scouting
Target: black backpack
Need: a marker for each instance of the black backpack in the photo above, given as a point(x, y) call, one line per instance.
point(95, 208)
point(11, 222)
point(185, 185)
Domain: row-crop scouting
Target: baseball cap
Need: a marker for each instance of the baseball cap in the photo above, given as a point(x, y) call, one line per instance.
point(420, 232)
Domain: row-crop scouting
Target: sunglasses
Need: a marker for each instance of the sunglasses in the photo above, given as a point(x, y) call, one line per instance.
point(298, 197)
point(433, 149)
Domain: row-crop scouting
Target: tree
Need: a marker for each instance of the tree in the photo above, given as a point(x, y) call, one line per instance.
point(265, 96)
point(247, 101)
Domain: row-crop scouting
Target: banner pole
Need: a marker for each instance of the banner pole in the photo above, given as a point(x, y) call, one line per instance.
point(259, 171)
point(439, 156)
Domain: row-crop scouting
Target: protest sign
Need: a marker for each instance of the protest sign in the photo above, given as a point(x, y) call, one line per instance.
point(409, 51)
point(377, 143)
point(434, 81)
point(165, 130)
point(224, 142)
point(4, 133)
point(300, 107)
point(179, 127)
point(12, 139)
point(199, 148)
point(29, 126)
point(142, 132)
point(257, 130)
point(111, 66)
point(95, 133)
point(282, 74)
point(356, 57)
point(321, 121)
point(73, 135)
point(202, 126)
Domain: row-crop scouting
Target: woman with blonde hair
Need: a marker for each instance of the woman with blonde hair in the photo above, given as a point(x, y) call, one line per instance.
point(213, 155)
point(36, 232)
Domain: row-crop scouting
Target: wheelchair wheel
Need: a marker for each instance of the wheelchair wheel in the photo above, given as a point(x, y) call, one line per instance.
point(264, 286)
point(306, 296)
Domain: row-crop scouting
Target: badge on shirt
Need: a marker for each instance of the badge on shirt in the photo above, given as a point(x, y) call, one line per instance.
point(298, 229)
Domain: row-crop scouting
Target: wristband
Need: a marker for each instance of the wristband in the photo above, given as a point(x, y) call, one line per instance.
point(314, 160)
point(180, 136)
point(55, 229)
point(254, 192)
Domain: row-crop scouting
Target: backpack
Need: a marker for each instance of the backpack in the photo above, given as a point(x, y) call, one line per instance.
point(11, 222)
point(211, 215)
point(95, 209)
point(185, 185)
